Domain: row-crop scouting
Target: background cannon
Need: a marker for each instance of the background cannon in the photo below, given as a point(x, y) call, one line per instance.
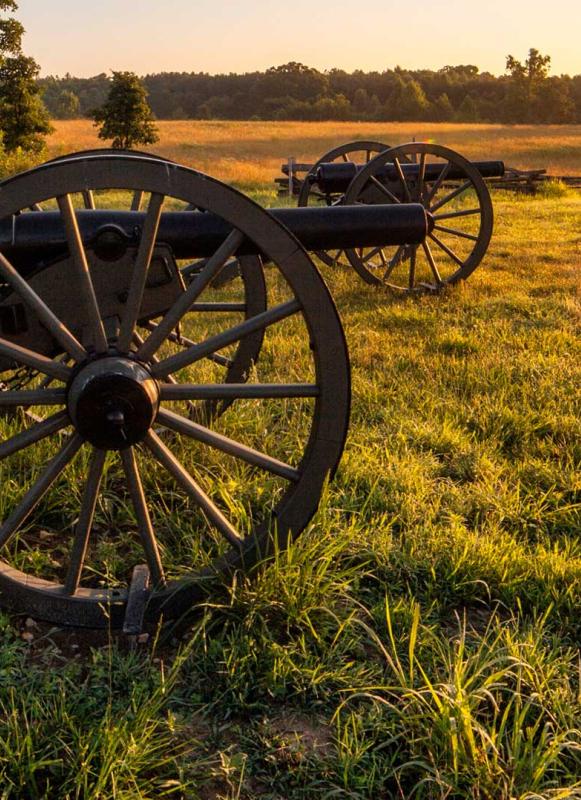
point(450, 187)
point(111, 312)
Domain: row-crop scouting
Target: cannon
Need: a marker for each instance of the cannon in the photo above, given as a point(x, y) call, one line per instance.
point(147, 443)
point(452, 189)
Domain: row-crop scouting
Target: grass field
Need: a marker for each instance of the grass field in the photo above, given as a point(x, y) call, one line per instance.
point(249, 154)
point(421, 639)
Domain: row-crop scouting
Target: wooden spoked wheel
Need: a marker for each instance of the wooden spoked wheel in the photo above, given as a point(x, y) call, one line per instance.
point(360, 152)
point(452, 190)
point(246, 294)
point(94, 486)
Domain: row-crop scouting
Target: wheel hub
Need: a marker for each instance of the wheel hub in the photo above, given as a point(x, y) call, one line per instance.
point(113, 402)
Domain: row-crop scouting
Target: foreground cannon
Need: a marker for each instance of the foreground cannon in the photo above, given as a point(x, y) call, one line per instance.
point(452, 190)
point(143, 426)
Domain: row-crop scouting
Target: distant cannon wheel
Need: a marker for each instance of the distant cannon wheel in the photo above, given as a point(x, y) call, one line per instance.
point(245, 296)
point(452, 191)
point(360, 152)
point(93, 488)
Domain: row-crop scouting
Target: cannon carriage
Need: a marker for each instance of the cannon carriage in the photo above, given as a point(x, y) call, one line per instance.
point(143, 427)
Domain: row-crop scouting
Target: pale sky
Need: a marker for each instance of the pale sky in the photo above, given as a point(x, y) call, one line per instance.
point(86, 38)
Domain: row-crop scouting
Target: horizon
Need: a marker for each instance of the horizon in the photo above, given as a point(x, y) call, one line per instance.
point(217, 38)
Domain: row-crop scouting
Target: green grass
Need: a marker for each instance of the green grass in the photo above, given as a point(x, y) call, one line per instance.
point(420, 640)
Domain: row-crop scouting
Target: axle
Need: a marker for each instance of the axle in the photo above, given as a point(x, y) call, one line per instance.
point(333, 177)
point(36, 237)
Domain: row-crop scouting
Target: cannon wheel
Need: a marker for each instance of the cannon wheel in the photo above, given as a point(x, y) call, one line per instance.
point(252, 292)
point(361, 152)
point(110, 401)
point(461, 210)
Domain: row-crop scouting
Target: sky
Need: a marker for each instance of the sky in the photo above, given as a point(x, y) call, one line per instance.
point(146, 36)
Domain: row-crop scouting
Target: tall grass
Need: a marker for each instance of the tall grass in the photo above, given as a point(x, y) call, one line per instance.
point(249, 154)
point(421, 639)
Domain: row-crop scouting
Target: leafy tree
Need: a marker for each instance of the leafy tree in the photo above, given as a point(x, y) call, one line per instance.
point(442, 109)
point(554, 102)
point(126, 117)
point(67, 105)
point(11, 31)
point(467, 110)
point(23, 118)
point(408, 101)
point(526, 80)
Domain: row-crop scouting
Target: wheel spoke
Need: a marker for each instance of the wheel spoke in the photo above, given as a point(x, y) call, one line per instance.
point(469, 212)
point(402, 179)
point(145, 527)
point(393, 262)
point(50, 321)
point(384, 189)
point(85, 523)
point(455, 232)
point(37, 491)
point(89, 306)
point(201, 434)
point(197, 286)
point(439, 181)
point(371, 255)
point(220, 340)
point(35, 360)
point(140, 270)
point(235, 391)
point(432, 263)
point(185, 342)
point(412, 272)
point(34, 434)
point(421, 176)
point(33, 397)
point(185, 480)
point(89, 200)
point(451, 195)
point(136, 200)
point(447, 250)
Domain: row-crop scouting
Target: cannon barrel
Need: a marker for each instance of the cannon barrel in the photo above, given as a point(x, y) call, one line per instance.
point(335, 177)
point(39, 236)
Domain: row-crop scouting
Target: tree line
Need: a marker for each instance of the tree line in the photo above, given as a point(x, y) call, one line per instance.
point(526, 93)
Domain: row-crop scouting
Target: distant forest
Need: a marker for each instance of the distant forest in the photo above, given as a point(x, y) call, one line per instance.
point(293, 91)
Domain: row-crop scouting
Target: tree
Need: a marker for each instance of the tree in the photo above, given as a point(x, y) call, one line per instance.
point(467, 110)
point(67, 105)
point(526, 80)
point(11, 31)
point(408, 101)
point(554, 102)
point(442, 109)
point(126, 117)
point(23, 118)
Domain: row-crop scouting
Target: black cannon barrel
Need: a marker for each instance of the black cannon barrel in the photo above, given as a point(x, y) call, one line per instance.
point(333, 177)
point(39, 236)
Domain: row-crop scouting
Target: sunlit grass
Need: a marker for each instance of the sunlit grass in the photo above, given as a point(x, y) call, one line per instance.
point(249, 154)
point(421, 639)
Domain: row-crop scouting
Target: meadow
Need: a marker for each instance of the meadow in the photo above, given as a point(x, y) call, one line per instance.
point(249, 154)
point(421, 638)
